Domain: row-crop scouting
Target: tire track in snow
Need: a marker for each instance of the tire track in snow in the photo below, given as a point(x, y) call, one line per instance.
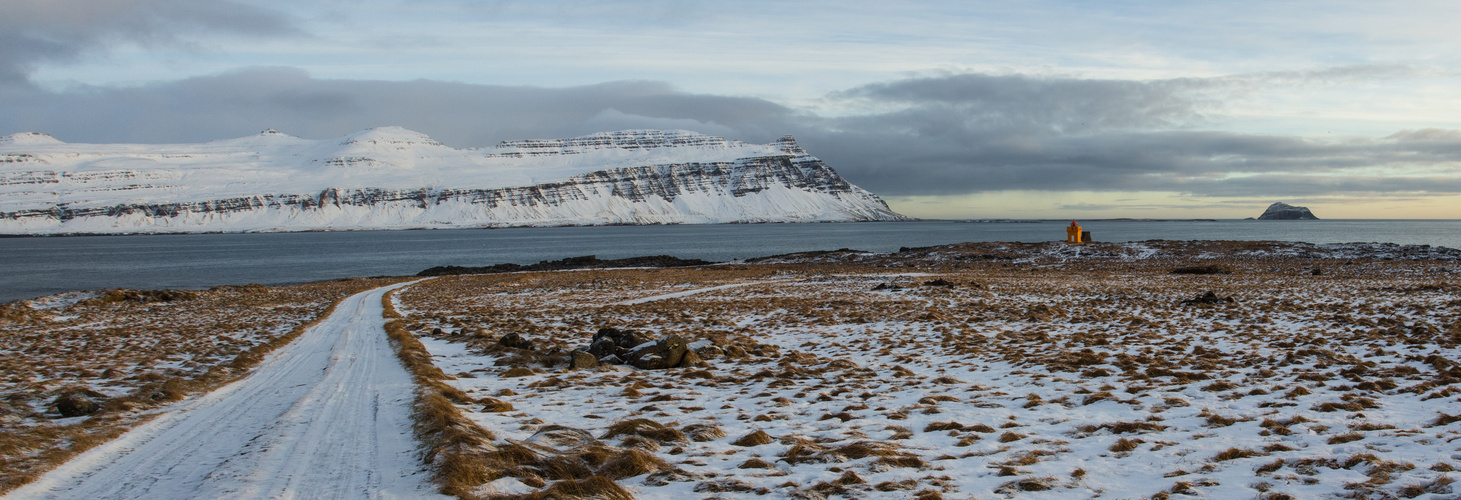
point(327, 416)
point(691, 292)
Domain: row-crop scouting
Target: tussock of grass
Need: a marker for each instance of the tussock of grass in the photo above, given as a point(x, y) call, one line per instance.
point(1235, 453)
point(1124, 444)
point(647, 428)
point(757, 438)
point(595, 487)
point(454, 444)
point(703, 432)
point(1345, 438)
point(631, 463)
point(1010, 436)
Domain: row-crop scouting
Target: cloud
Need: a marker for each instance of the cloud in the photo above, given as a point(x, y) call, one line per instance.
point(244, 102)
point(34, 32)
point(1026, 104)
point(613, 119)
point(957, 134)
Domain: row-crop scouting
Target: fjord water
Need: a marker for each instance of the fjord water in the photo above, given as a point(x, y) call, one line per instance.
point(31, 267)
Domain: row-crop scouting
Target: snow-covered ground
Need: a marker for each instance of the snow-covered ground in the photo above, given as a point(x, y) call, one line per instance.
point(1034, 371)
point(327, 416)
point(963, 371)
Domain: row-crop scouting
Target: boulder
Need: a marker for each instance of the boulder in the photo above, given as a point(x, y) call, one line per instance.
point(667, 352)
point(515, 341)
point(78, 403)
point(581, 359)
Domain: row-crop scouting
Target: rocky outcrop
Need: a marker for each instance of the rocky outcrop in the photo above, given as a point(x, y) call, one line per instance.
point(1284, 211)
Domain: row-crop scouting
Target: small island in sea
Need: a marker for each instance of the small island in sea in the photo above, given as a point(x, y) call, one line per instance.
point(1284, 211)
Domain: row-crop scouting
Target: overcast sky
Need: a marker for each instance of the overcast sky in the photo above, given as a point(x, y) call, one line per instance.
point(946, 109)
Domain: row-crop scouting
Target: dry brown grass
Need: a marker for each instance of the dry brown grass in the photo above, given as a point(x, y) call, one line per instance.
point(1125, 444)
point(756, 438)
point(1235, 453)
point(122, 340)
point(454, 445)
point(646, 428)
point(1109, 333)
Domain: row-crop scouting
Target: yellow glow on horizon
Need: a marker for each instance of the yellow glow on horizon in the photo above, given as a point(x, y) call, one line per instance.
point(1162, 205)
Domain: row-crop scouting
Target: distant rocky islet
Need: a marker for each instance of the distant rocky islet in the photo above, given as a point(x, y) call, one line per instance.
point(1284, 211)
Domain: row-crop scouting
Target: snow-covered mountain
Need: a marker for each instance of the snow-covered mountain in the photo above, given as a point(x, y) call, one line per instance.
point(393, 178)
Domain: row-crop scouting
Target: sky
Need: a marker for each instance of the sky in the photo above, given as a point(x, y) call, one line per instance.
point(957, 109)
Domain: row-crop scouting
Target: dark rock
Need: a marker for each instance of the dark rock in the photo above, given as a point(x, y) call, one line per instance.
point(667, 352)
point(78, 403)
point(584, 262)
point(613, 341)
point(1317, 272)
point(515, 341)
point(886, 286)
point(1208, 298)
point(582, 359)
point(939, 282)
point(611, 360)
point(692, 360)
point(710, 351)
point(1284, 211)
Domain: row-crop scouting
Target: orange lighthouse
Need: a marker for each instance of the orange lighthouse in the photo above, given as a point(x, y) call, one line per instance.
point(1073, 233)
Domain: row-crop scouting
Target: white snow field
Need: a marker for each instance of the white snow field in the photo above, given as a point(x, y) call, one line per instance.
point(327, 416)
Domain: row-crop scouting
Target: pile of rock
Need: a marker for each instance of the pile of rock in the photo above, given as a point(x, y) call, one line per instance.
point(628, 347)
point(613, 346)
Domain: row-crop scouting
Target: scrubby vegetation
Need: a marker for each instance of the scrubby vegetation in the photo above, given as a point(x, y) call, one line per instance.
point(1025, 367)
point(79, 369)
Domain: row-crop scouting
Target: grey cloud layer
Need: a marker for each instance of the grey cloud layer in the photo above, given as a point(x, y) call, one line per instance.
point(950, 134)
point(463, 115)
point(38, 31)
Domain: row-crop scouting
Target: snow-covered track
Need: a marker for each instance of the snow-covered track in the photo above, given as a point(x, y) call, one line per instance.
point(327, 416)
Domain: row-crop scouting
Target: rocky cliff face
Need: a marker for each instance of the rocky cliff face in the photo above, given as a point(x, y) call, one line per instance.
point(1282, 211)
point(396, 179)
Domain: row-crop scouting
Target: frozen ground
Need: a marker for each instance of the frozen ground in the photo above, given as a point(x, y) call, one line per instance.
point(990, 370)
point(327, 416)
point(130, 354)
point(1154, 369)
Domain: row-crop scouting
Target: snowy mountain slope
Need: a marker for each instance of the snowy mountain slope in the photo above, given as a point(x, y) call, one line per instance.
point(393, 178)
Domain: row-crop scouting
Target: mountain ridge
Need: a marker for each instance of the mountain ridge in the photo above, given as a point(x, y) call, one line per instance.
point(394, 178)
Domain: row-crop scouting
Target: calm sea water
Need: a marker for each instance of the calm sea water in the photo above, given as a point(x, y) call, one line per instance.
point(31, 267)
